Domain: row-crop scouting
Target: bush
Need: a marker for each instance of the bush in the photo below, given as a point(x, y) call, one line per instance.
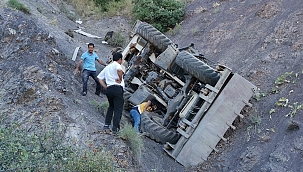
point(117, 40)
point(162, 14)
point(23, 151)
point(134, 140)
point(103, 4)
point(114, 7)
point(100, 8)
point(19, 6)
point(100, 106)
point(121, 7)
point(91, 160)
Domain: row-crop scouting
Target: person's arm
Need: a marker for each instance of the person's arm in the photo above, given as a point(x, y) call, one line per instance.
point(78, 66)
point(120, 74)
point(103, 83)
point(148, 103)
point(101, 78)
point(101, 62)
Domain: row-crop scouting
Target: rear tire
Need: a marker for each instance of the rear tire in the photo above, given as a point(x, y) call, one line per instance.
point(197, 68)
point(126, 96)
point(153, 36)
point(157, 132)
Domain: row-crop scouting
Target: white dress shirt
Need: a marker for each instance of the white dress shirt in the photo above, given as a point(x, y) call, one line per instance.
point(110, 74)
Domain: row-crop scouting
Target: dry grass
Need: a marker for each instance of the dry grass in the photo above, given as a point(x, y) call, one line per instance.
point(123, 7)
point(129, 134)
point(85, 8)
point(88, 8)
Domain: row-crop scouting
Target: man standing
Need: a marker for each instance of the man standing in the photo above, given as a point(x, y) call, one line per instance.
point(89, 68)
point(114, 84)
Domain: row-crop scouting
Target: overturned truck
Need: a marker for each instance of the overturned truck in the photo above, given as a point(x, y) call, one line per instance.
point(197, 103)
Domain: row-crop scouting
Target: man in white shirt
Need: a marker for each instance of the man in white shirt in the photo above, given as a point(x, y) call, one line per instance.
point(112, 74)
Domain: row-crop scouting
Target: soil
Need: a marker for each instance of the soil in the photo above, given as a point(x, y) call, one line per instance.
point(259, 39)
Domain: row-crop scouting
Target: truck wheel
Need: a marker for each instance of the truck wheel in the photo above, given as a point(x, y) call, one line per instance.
point(126, 96)
point(197, 68)
point(157, 132)
point(152, 35)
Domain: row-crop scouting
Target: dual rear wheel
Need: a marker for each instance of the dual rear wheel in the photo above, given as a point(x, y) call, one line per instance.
point(187, 62)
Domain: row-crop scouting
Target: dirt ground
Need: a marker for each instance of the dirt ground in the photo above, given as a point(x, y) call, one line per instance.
point(259, 39)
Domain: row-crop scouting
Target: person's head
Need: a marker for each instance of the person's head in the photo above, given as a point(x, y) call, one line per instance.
point(117, 57)
point(154, 103)
point(90, 47)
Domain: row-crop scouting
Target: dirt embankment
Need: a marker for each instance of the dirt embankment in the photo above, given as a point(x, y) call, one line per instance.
point(259, 39)
point(39, 90)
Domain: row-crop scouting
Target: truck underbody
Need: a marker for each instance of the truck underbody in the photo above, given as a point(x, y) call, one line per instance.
point(197, 100)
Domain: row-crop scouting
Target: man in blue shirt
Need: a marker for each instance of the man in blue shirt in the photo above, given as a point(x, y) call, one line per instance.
point(89, 69)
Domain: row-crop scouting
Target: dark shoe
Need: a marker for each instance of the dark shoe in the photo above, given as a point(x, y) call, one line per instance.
point(106, 129)
point(84, 94)
point(115, 133)
point(99, 95)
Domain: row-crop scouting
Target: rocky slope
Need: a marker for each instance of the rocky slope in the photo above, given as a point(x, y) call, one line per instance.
point(40, 92)
point(259, 39)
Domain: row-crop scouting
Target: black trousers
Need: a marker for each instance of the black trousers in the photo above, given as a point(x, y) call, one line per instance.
point(114, 95)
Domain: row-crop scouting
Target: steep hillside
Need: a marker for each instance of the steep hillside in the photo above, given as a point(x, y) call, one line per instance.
point(262, 40)
point(40, 92)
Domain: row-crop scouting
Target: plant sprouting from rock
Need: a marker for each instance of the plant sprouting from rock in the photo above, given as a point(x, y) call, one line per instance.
point(282, 102)
point(294, 108)
point(283, 78)
point(100, 106)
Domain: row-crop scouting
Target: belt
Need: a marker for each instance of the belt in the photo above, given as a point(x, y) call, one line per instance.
point(136, 108)
point(114, 86)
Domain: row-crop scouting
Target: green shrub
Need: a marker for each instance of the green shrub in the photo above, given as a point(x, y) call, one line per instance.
point(100, 106)
point(134, 140)
point(117, 40)
point(162, 14)
point(23, 151)
point(19, 6)
point(114, 7)
point(100, 8)
point(121, 7)
point(103, 4)
point(91, 160)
